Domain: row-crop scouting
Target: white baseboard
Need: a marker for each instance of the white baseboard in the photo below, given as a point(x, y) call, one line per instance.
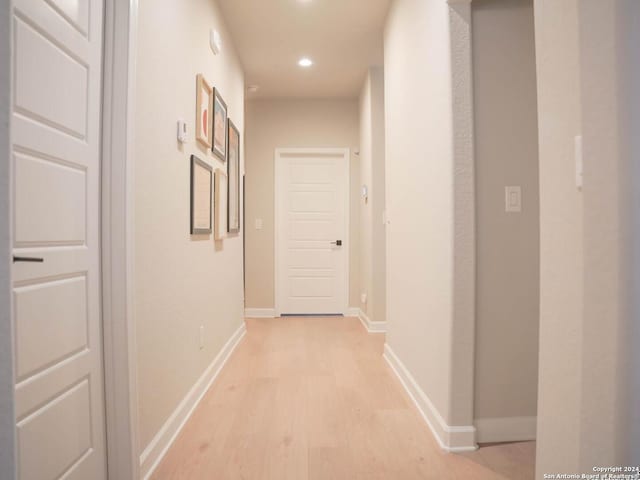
point(159, 445)
point(352, 312)
point(260, 313)
point(371, 327)
point(507, 429)
point(451, 439)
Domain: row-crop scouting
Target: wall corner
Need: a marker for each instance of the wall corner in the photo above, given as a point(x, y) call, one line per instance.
point(464, 242)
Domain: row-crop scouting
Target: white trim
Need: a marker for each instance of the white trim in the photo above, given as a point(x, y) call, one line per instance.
point(159, 445)
point(369, 325)
point(507, 429)
point(8, 439)
point(117, 225)
point(463, 325)
point(352, 312)
point(260, 313)
point(279, 152)
point(276, 235)
point(451, 439)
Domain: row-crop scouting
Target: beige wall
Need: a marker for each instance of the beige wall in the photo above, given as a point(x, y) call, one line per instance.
point(633, 338)
point(419, 190)
point(561, 237)
point(273, 124)
point(610, 55)
point(587, 68)
point(181, 281)
point(372, 174)
point(506, 147)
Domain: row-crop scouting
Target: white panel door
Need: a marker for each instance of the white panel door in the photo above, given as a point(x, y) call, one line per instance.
point(57, 62)
point(312, 212)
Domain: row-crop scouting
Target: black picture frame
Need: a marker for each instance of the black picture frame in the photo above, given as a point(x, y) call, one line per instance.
point(219, 105)
point(195, 227)
point(233, 175)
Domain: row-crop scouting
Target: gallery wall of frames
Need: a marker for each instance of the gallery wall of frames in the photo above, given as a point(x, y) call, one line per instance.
point(215, 195)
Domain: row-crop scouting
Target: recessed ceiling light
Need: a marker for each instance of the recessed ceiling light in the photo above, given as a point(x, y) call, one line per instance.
point(305, 62)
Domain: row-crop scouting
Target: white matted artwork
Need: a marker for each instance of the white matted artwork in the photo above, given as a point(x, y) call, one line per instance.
point(233, 168)
point(201, 196)
point(204, 105)
point(220, 230)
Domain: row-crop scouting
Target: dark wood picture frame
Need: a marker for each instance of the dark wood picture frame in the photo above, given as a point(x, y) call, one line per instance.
point(219, 105)
point(197, 196)
point(233, 175)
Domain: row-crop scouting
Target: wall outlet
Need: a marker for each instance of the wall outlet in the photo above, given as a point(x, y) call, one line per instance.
point(201, 339)
point(363, 298)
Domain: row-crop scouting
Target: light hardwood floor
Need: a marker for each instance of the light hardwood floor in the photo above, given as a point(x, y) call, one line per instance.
point(313, 399)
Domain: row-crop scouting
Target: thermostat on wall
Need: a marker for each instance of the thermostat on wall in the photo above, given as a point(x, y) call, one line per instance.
point(182, 131)
point(215, 41)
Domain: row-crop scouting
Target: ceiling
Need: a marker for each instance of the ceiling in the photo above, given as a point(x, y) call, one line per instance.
point(342, 37)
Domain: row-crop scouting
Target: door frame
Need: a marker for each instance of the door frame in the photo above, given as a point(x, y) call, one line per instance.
point(117, 248)
point(320, 151)
point(8, 439)
point(117, 234)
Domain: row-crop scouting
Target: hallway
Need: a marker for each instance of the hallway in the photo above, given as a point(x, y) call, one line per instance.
point(312, 398)
point(319, 240)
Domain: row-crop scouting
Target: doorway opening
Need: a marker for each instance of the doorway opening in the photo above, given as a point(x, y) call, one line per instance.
point(507, 220)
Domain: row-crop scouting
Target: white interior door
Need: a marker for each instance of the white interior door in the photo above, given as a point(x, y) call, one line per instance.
point(56, 62)
point(312, 224)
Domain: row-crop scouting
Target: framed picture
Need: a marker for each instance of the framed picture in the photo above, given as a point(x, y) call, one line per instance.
point(204, 106)
point(201, 196)
point(233, 171)
point(220, 189)
point(219, 126)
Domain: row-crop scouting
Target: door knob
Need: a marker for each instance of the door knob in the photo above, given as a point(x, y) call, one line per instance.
point(337, 242)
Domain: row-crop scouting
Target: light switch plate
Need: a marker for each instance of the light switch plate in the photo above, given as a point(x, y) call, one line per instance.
point(258, 224)
point(513, 199)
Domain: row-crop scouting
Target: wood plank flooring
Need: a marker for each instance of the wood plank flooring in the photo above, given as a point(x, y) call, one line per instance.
point(313, 399)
